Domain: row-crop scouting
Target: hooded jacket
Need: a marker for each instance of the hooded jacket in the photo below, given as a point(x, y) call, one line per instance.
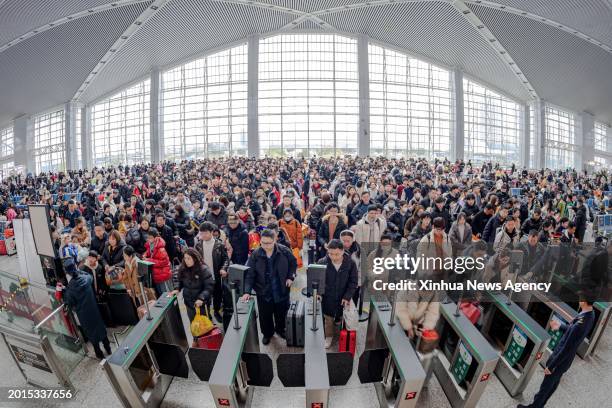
point(157, 254)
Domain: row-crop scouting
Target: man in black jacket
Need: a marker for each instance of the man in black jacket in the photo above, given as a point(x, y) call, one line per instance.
point(238, 238)
point(341, 281)
point(271, 273)
point(532, 223)
point(440, 210)
point(481, 219)
point(488, 235)
point(167, 234)
point(215, 257)
point(98, 238)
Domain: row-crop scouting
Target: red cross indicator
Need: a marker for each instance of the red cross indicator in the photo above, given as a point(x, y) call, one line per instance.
point(485, 377)
point(224, 402)
point(316, 405)
point(411, 395)
point(539, 355)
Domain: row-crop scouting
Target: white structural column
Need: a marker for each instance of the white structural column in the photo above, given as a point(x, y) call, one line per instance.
point(24, 144)
point(70, 114)
point(609, 142)
point(86, 137)
point(525, 137)
point(540, 133)
point(585, 139)
point(364, 96)
point(458, 143)
point(253, 97)
point(157, 148)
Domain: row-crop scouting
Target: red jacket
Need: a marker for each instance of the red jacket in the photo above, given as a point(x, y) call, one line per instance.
point(160, 259)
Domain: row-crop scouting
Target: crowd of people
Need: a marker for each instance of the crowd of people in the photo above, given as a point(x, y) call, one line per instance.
point(193, 219)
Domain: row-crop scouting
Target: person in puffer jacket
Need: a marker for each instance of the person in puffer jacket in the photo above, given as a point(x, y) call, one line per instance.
point(156, 253)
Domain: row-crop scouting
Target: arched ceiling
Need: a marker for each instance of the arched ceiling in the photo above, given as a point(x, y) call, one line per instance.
point(52, 51)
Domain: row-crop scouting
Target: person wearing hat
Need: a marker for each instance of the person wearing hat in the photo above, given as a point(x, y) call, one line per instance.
point(77, 295)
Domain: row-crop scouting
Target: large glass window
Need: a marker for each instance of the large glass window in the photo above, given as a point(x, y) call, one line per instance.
point(5, 169)
point(204, 106)
point(120, 127)
point(410, 106)
point(560, 139)
point(7, 142)
point(601, 137)
point(308, 95)
point(49, 145)
point(492, 125)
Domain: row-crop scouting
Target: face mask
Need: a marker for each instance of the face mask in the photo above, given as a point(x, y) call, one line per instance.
point(391, 205)
point(288, 219)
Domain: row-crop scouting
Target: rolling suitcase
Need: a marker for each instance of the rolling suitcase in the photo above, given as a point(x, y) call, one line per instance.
point(210, 341)
point(348, 340)
point(294, 324)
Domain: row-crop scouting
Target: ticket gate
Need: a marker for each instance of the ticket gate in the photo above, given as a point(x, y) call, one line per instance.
point(389, 359)
point(520, 338)
point(603, 312)
point(239, 366)
point(142, 368)
point(465, 360)
point(316, 369)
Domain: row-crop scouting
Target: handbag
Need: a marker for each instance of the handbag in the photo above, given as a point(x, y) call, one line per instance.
point(471, 311)
point(428, 341)
point(201, 324)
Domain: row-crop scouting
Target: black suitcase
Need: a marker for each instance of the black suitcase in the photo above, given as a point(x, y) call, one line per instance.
point(294, 327)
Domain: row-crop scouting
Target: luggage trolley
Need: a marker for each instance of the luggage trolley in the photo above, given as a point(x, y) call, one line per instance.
point(465, 361)
point(389, 359)
point(316, 369)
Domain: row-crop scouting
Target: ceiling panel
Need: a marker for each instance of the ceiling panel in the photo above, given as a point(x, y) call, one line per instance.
point(180, 29)
point(20, 16)
point(592, 17)
point(435, 30)
point(563, 68)
point(45, 70)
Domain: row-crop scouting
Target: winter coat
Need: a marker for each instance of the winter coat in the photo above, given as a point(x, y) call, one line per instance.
point(196, 285)
point(157, 254)
point(339, 285)
point(98, 244)
point(219, 220)
point(416, 308)
point(480, 222)
point(185, 230)
point(113, 257)
point(503, 239)
point(460, 242)
point(531, 224)
point(98, 282)
point(488, 235)
point(167, 234)
point(239, 240)
point(284, 266)
point(369, 232)
point(323, 232)
point(137, 238)
point(219, 255)
point(79, 296)
point(427, 248)
point(445, 215)
point(294, 232)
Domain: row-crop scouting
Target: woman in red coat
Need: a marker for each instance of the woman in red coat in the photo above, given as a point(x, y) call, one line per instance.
point(156, 253)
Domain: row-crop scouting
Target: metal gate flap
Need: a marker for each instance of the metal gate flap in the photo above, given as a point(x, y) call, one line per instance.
point(170, 359)
point(202, 362)
point(340, 367)
point(290, 369)
point(371, 365)
point(259, 369)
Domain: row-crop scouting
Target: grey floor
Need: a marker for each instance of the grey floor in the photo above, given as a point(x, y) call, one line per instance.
point(586, 385)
